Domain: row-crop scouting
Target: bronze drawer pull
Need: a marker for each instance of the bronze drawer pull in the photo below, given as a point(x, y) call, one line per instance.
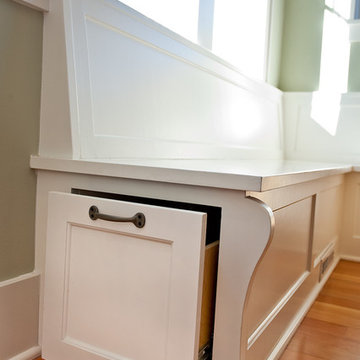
point(138, 219)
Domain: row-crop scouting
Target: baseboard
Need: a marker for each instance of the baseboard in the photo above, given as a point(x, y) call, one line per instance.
point(290, 331)
point(19, 313)
point(350, 258)
point(29, 354)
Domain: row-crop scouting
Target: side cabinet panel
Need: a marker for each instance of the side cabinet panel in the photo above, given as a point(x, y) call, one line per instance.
point(114, 291)
point(282, 270)
point(327, 221)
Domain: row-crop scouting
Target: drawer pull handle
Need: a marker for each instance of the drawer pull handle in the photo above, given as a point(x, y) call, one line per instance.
point(138, 219)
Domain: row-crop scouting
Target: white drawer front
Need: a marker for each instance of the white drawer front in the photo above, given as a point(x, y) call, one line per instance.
point(114, 291)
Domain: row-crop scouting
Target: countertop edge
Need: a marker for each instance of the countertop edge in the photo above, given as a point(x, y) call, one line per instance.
point(149, 173)
point(195, 177)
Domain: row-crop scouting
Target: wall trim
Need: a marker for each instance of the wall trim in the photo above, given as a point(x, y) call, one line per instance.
point(350, 258)
point(19, 279)
point(290, 331)
point(19, 299)
point(28, 354)
point(39, 5)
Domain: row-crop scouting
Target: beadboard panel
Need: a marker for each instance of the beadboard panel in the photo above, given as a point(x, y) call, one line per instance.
point(19, 314)
point(322, 139)
point(139, 90)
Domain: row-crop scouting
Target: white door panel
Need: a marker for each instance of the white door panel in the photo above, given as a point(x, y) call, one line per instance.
point(114, 291)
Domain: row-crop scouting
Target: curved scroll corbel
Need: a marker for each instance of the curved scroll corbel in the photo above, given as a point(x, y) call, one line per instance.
point(247, 230)
point(246, 340)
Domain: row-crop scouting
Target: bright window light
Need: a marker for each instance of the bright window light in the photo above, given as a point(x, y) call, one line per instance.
point(235, 30)
point(240, 34)
point(342, 7)
point(180, 16)
point(334, 54)
point(334, 70)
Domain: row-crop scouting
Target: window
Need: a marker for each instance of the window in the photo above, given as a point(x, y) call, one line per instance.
point(234, 30)
point(179, 16)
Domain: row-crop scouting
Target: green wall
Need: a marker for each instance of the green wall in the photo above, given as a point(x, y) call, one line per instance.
point(297, 68)
point(20, 81)
point(354, 67)
point(301, 45)
point(275, 44)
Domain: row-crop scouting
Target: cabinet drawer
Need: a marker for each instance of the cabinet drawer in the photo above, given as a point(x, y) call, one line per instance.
point(116, 291)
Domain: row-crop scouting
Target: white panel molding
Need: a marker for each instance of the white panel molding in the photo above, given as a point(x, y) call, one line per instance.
point(40, 5)
point(20, 278)
point(354, 33)
point(306, 139)
point(290, 331)
point(181, 101)
point(279, 306)
point(326, 251)
point(29, 354)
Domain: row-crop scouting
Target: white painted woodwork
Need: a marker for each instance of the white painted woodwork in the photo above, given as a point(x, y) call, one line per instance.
point(306, 139)
point(280, 197)
point(138, 90)
point(281, 271)
point(41, 5)
point(247, 175)
point(242, 218)
point(19, 314)
point(327, 226)
point(57, 137)
point(245, 231)
point(286, 280)
point(115, 291)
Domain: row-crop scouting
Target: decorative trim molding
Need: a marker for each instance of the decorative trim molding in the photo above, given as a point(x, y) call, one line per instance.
point(19, 279)
point(326, 251)
point(263, 326)
point(290, 331)
point(40, 5)
point(28, 354)
point(246, 342)
point(20, 297)
point(350, 258)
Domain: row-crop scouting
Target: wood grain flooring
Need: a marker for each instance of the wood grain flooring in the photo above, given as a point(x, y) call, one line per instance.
point(331, 329)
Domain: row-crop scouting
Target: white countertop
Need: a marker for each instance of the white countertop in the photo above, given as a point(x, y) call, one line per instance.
point(252, 175)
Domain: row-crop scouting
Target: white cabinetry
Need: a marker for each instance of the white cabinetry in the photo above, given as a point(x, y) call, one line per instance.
point(115, 291)
point(271, 234)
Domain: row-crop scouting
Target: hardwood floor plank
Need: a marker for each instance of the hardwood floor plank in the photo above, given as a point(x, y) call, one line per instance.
point(335, 314)
point(331, 329)
point(341, 292)
point(294, 355)
point(311, 326)
point(348, 268)
point(325, 346)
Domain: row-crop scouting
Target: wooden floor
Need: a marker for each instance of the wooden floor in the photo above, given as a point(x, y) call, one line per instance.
point(331, 329)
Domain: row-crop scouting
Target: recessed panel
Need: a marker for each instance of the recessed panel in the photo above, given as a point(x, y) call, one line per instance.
point(357, 212)
point(284, 264)
point(327, 220)
point(119, 283)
